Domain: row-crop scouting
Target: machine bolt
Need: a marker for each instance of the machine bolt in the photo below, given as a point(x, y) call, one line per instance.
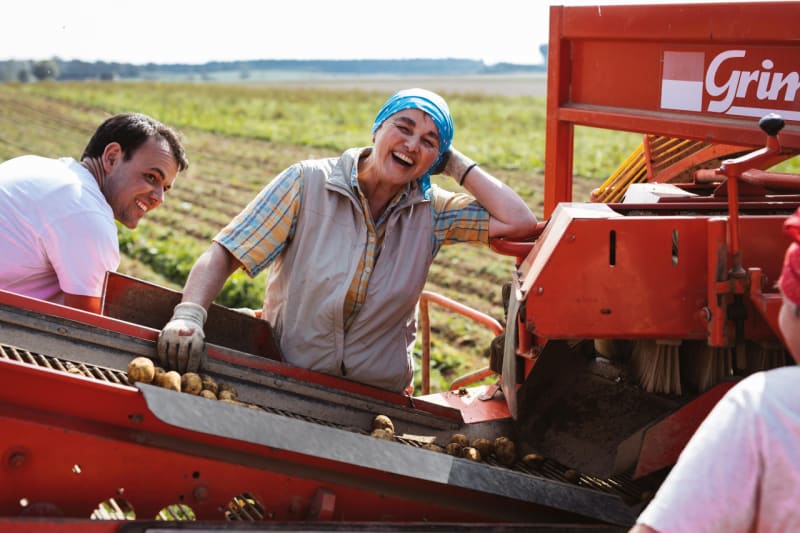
point(16, 459)
point(200, 493)
point(539, 289)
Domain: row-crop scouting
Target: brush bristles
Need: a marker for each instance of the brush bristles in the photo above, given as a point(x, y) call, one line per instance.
point(764, 356)
point(704, 366)
point(670, 366)
point(657, 364)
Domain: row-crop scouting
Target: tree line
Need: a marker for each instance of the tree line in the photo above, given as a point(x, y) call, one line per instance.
point(58, 69)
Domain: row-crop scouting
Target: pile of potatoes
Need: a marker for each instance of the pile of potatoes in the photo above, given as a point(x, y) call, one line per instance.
point(460, 445)
point(143, 370)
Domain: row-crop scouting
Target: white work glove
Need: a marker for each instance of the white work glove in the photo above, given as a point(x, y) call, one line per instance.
point(181, 344)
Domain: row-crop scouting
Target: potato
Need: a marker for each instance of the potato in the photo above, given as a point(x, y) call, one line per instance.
point(383, 422)
point(460, 439)
point(226, 395)
point(209, 384)
point(208, 394)
point(227, 387)
point(533, 459)
point(142, 370)
point(170, 380)
point(484, 446)
point(78, 372)
point(505, 451)
point(471, 453)
point(384, 434)
point(454, 449)
point(191, 383)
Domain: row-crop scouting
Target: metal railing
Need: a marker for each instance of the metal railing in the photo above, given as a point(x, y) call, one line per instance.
point(425, 326)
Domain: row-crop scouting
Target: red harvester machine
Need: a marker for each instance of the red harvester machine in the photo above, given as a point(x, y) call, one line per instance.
point(628, 317)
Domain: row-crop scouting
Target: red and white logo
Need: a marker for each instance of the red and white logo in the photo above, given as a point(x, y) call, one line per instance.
point(682, 81)
point(735, 82)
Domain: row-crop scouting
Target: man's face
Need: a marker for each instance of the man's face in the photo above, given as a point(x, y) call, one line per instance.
point(137, 186)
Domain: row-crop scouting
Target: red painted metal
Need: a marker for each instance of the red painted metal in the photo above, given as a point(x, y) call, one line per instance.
point(58, 525)
point(263, 364)
point(710, 51)
point(424, 322)
point(644, 291)
point(72, 442)
point(779, 181)
point(517, 249)
point(473, 403)
point(77, 442)
point(768, 305)
point(663, 441)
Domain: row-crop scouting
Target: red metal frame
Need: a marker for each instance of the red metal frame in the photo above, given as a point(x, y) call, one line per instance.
point(264, 364)
point(703, 72)
point(661, 444)
point(76, 442)
point(588, 84)
point(644, 292)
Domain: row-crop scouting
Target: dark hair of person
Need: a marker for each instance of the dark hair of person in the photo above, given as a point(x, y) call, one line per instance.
point(132, 130)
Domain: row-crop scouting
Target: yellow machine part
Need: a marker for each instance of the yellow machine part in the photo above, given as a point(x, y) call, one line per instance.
point(662, 159)
point(657, 159)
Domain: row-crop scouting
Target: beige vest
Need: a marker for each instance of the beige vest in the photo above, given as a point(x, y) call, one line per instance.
point(307, 284)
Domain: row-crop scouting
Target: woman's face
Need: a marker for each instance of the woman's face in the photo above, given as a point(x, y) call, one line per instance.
point(406, 146)
point(789, 323)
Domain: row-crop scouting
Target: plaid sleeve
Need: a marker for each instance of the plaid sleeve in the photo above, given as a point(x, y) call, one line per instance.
point(258, 234)
point(458, 218)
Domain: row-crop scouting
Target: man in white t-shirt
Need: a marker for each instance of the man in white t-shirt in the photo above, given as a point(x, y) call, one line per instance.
point(741, 469)
point(57, 232)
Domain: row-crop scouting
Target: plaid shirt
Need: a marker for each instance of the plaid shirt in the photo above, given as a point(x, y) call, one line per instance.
point(266, 226)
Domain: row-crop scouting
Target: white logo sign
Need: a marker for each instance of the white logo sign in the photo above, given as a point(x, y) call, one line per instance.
point(684, 84)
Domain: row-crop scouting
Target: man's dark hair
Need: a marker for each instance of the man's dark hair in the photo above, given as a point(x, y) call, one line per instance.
point(132, 130)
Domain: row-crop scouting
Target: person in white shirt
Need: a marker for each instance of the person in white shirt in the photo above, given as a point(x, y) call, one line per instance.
point(741, 469)
point(57, 232)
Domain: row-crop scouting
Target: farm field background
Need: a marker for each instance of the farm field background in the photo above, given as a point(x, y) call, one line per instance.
point(239, 137)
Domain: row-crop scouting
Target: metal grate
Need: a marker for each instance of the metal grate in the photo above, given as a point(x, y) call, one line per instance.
point(245, 508)
point(21, 355)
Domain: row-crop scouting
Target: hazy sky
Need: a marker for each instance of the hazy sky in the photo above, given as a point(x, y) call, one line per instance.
point(197, 31)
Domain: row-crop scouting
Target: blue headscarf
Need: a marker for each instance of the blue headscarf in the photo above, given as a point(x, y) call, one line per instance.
point(432, 104)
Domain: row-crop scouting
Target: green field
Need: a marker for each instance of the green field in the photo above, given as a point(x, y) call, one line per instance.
point(239, 137)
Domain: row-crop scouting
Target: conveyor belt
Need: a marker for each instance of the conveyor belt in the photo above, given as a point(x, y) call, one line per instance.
point(622, 486)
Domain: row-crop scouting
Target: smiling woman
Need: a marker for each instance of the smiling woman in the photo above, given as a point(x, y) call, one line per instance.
point(350, 240)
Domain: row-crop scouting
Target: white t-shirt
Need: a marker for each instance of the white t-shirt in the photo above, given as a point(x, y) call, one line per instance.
point(741, 469)
point(57, 231)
